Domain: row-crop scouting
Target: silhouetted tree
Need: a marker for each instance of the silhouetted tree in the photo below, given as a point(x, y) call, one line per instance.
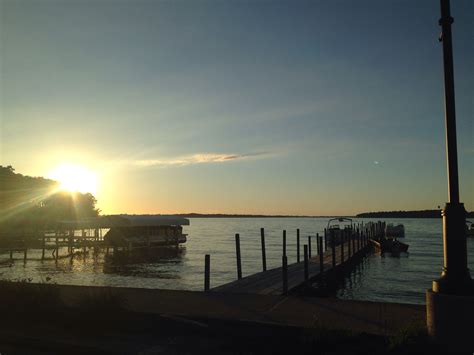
point(35, 203)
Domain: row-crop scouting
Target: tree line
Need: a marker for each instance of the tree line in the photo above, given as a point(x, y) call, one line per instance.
point(405, 214)
point(28, 202)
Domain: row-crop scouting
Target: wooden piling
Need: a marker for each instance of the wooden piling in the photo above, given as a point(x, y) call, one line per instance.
point(57, 248)
point(318, 247)
point(349, 249)
point(321, 254)
point(207, 272)
point(284, 242)
point(353, 237)
point(24, 255)
point(285, 274)
point(309, 246)
point(11, 255)
point(325, 239)
point(264, 255)
point(333, 250)
point(342, 247)
point(239, 261)
point(298, 245)
point(306, 266)
point(44, 246)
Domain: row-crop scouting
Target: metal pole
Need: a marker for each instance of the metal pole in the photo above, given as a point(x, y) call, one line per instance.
point(455, 277)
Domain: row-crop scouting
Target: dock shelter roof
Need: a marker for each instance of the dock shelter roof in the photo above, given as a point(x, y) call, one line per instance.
point(125, 221)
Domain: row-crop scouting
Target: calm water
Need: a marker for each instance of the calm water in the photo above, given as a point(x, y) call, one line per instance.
point(402, 279)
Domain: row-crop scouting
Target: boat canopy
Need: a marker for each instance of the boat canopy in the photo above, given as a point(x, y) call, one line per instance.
point(124, 220)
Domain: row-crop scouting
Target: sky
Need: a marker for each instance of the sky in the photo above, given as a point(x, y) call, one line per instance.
point(265, 107)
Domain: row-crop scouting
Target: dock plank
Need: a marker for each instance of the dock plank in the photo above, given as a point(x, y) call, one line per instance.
point(270, 282)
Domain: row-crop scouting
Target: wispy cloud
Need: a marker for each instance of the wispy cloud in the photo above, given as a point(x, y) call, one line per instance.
point(203, 158)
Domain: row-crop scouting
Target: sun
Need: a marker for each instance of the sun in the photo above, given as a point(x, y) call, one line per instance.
point(75, 178)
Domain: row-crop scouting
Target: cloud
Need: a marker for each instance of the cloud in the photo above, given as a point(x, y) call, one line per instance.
point(202, 158)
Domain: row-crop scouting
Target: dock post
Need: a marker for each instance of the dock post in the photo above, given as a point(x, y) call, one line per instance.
point(24, 255)
point(318, 249)
point(306, 269)
point(44, 245)
point(298, 245)
point(349, 246)
point(57, 248)
point(353, 236)
point(333, 247)
point(11, 255)
point(358, 240)
point(309, 246)
point(342, 247)
point(207, 271)
point(284, 242)
point(264, 255)
point(321, 254)
point(325, 239)
point(285, 274)
point(237, 251)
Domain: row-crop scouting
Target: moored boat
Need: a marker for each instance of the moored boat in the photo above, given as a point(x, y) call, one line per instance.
point(469, 229)
point(392, 231)
point(390, 245)
point(147, 232)
point(335, 231)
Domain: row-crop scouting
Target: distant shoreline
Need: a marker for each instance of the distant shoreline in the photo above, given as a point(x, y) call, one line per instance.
point(381, 214)
point(389, 214)
point(222, 215)
point(406, 214)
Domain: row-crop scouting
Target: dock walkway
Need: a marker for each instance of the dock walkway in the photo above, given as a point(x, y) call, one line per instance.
point(270, 282)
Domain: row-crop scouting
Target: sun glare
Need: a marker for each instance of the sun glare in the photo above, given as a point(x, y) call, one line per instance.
point(75, 178)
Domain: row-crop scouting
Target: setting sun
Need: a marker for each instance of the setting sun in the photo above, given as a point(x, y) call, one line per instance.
point(75, 178)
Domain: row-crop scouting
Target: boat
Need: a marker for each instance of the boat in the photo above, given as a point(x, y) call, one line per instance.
point(390, 245)
point(469, 229)
point(335, 232)
point(147, 232)
point(392, 231)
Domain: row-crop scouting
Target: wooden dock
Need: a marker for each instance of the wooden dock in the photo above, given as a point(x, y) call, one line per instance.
point(284, 279)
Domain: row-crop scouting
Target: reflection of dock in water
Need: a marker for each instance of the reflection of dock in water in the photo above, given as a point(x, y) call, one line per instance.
point(138, 262)
point(112, 234)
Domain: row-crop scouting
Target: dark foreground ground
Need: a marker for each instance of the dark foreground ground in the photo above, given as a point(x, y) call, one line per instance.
point(37, 319)
point(73, 331)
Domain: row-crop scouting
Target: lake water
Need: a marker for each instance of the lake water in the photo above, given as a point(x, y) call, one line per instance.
point(395, 279)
